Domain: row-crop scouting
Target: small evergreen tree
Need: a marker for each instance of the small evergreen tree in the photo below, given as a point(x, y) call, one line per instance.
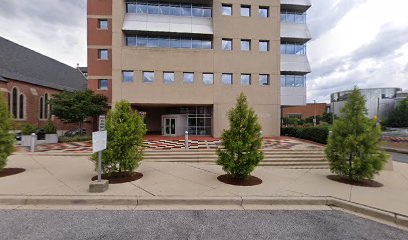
point(399, 117)
point(242, 141)
point(6, 139)
point(353, 147)
point(125, 140)
point(75, 107)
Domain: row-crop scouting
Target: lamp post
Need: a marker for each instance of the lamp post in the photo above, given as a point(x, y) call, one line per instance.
point(314, 119)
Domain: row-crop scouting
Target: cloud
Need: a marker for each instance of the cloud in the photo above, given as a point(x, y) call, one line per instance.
point(325, 14)
point(375, 59)
point(55, 28)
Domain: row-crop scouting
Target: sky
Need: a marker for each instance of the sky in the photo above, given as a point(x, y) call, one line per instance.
point(360, 43)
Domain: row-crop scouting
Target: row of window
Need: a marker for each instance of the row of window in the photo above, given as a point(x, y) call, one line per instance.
point(17, 102)
point(189, 78)
point(293, 49)
point(263, 11)
point(208, 78)
point(293, 17)
point(167, 8)
point(293, 81)
point(167, 42)
point(192, 43)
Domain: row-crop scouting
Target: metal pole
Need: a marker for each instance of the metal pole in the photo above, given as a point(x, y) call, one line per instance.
point(186, 139)
point(99, 166)
point(32, 143)
point(314, 120)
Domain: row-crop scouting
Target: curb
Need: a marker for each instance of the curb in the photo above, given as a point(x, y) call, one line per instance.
point(396, 150)
point(180, 202)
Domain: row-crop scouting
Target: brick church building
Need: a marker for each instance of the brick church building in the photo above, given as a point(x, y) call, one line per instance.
point(28, 79)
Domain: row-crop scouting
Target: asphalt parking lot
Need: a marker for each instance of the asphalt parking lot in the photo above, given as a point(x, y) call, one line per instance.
point(56, 224)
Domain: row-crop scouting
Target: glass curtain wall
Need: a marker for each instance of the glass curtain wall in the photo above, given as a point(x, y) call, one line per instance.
point(293, 17)
point(293, 48)
point(199, 120)
point(168, 8)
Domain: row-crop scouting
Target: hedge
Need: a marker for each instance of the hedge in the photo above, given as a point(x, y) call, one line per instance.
point(318, 134)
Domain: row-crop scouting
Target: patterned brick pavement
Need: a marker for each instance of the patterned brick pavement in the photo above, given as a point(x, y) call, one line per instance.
point(169, 144)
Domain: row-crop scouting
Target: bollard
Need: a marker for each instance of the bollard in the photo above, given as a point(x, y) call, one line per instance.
point(33, 142)
point(186, 139)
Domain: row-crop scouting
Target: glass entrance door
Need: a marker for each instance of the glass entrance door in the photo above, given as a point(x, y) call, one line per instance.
point(169, 126)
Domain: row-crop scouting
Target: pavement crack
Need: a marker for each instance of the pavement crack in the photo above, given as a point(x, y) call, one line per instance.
point(153, 195)
point(49, 172)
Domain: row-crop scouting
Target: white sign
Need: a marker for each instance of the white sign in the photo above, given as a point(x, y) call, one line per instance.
point(102, 121)
point(99, 141)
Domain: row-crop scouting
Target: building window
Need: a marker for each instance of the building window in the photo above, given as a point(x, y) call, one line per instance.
point(103, 54)
point(208, 78)
point(148, 77)
point(188, 77)
point(46, 106)
point(168, 8)
point(245, 79)
point(168, 77)
point(263, 12)
point(167, 42)
point(293, 17)
point(263, 79)
point(293, 81)
point(245, 10)
point(245, 45)
point(227, 44)
point(293, 49)
point(226, 9)
point(14, 102)
point(22, 104)
point(127, 76)
point(103, 24)
point(103, 84)
point(41, 108)
point(227, 78)
point(263, 45)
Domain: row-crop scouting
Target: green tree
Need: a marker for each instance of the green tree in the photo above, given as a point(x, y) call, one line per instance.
point(6, 139)
point(242, 141)
point(125, 140)
point(353, 147)
point(327, 117)
point(399, 117)
point(75, 107)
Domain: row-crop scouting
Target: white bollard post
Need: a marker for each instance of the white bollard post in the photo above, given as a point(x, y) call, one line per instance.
point(186, 139)
point(33, 142)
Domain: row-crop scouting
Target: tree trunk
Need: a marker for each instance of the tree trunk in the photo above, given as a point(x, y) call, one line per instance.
point(350, 165)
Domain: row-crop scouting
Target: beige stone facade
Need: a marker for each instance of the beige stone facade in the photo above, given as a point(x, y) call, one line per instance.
point(157, 96)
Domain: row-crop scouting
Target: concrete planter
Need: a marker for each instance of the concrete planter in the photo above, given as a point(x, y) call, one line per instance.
point(26, 140)
point(51, 138)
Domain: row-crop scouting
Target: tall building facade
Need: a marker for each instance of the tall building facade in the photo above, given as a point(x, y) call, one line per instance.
point(294, 62)
point(182, 63)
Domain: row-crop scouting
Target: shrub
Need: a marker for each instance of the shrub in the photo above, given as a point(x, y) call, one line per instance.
point(353, 149)
point(125, 140)
point(242, 141)
point(399, 117)
point(28, 129)
point(50, 128)
point(317, 134)
point(6, 139)
point(84, 138)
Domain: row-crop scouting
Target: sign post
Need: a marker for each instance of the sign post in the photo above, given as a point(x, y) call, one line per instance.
point(99, 143)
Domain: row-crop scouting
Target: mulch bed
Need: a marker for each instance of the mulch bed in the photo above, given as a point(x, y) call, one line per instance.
point(123, 177)
point(11, 171)
point(363, 183)
point(250, 181)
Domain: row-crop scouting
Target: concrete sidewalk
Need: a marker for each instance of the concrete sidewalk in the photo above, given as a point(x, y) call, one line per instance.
point(70, 176)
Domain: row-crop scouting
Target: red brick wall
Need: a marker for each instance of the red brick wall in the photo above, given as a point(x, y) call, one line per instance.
point(306, 111)
point(32, 95)
point(99, 39)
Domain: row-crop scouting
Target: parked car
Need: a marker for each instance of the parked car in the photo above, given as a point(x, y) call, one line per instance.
point(74, 132)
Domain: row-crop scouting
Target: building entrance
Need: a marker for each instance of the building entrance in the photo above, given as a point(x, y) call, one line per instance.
point(169, 127)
